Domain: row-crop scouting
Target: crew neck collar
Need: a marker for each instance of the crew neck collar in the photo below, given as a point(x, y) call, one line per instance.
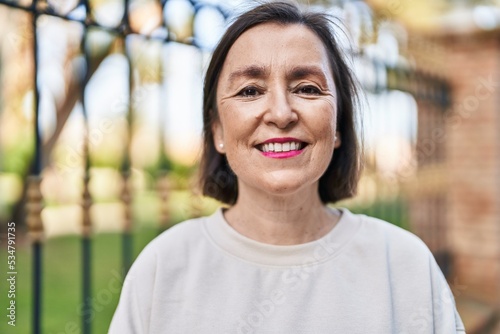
point(237, 245)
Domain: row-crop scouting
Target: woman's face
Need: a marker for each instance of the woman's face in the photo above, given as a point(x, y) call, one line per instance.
point(277, 109)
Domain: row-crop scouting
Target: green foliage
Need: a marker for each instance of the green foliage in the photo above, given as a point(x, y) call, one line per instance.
point(106, 157)
point(392, 211)
point(17, 158)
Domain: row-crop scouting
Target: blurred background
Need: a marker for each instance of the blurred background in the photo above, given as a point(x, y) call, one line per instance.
point(100, 132)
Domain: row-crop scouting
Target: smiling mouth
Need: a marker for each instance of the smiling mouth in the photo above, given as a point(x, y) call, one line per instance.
point(281, 147)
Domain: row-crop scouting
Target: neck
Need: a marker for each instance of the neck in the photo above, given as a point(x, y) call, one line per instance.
point(281, 220)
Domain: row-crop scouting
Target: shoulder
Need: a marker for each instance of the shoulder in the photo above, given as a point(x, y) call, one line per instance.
point(164, 257)
point(381, 235)
point(180, 235)
point(172, 247)
point(398, 253)
point(176, 243)
point(420, 287)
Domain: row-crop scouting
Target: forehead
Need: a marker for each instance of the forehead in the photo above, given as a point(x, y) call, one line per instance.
point(277, 45)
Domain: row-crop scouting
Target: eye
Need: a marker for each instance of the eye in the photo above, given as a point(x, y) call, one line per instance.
point(309, 90)
point(249, 91)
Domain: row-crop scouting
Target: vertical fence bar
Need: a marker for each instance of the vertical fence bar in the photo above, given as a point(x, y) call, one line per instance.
point(127, 164)
point(163, 177)
point(34, 208)
point(87, 199)
point(163, 187)
point(127, 228)
point(35, 225)
point(86, 262)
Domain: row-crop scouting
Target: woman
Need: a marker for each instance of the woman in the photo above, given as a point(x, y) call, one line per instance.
point(279, 143)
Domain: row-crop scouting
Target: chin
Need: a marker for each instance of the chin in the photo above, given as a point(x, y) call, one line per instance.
point(284, 184)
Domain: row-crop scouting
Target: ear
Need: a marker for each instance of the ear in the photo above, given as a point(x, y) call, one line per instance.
point(218, 136)
point(338, 140)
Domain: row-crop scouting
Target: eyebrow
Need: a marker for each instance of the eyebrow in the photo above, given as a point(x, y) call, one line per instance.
point(301, 72)
point(296, 73)
point(253, 71)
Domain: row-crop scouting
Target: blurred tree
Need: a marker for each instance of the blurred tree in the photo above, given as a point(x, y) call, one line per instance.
point(18, 144)
point(75, 75)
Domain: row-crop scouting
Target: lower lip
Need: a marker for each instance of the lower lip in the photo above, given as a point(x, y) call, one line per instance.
point(282, 155)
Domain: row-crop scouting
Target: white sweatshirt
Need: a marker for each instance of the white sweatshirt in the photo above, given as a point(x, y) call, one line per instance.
point(365, 276)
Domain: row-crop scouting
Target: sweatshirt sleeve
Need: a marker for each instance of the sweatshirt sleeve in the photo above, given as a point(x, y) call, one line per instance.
point(446, 317)
point(134, 308)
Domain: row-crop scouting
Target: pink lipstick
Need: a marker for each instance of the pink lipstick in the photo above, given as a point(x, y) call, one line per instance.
point(281, 155)
point(281, 148)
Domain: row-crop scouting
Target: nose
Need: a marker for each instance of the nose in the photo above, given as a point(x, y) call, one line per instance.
point(279, 111)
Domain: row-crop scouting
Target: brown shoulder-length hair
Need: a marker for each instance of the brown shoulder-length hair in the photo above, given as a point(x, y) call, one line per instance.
point(340, 180)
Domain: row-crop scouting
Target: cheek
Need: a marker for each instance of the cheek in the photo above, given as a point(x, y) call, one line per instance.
point(322, 111)
point(238, 123)
point(323, 122)
point(324, 128)
point(329, 121)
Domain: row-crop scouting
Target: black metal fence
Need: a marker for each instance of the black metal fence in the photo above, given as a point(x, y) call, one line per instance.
point(84, 13)
point(388, 200)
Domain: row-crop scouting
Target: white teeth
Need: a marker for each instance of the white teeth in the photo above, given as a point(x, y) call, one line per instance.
point(281, 147)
